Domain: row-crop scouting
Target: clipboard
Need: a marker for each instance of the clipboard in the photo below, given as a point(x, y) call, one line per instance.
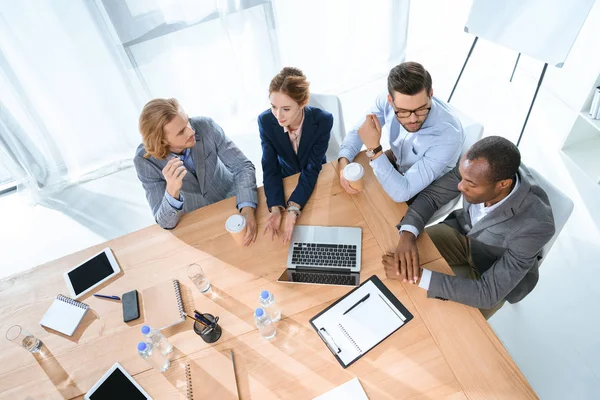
point(360, 320)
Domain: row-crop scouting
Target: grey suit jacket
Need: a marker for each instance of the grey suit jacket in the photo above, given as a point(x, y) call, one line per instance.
point(222, 171)
point(505, 244)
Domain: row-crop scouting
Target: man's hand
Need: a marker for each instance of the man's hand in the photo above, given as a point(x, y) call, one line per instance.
point(273, 222)
point(370, 131)
point(406, 258)
point(174, 172)
point(290, 222)
point(251, 226)
point(342, 162)
point(391, 268)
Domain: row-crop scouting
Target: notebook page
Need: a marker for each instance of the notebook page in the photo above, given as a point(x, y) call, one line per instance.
point(352, 346)
point(161, 305)
point(63, 317)
point(351, 390)
point(370, 322)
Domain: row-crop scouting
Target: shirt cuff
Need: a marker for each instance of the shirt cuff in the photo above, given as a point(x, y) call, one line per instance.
point(175, 203)
point(347, 154)
point(409, 228)
point(246, 204)
point(425, 279)
point(381, 161)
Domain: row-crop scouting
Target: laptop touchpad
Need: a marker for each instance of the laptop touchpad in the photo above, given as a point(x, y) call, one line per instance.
point(326, 235)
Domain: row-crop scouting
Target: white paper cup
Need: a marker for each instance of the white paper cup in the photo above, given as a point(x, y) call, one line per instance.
point(236, 226)
point(354, 173)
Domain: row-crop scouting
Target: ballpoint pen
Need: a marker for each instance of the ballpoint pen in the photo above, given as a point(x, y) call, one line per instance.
point(102, 296)
point(357, 303)
point(198, 321)
point(202, 318)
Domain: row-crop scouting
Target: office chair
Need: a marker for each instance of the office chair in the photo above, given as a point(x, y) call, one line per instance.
point(332, 104)
point(562, 207)
point(473, 132)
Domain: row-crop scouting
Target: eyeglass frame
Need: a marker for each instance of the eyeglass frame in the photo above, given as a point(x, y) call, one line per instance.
point(411, 112)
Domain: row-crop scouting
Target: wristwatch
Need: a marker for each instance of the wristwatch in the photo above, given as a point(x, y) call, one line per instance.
point(373, 152)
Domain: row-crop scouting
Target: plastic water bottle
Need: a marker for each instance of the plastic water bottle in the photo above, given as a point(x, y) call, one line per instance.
point(267, 301)
point(265, 326)
point(156, 359)
point(158, 340)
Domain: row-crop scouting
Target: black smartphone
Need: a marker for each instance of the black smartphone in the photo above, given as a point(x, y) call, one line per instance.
point(131, 309)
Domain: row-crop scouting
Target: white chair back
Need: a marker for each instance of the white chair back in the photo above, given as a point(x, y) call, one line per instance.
point(473, 132)
point(332, 104)
point(562, 207)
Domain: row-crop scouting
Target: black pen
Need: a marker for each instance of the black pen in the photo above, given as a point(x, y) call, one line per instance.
point(357, 303)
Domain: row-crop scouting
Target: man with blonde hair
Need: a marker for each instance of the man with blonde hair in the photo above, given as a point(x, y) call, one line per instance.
point(187, 163)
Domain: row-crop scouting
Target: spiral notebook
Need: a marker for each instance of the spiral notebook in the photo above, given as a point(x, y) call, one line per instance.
point(213, 379)
point(64, 315)
point(163, 306)
point(361, 320)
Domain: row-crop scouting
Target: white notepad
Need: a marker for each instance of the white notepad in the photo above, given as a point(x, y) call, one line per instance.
point(349, 336)
point(64, 315)
point(351, 390)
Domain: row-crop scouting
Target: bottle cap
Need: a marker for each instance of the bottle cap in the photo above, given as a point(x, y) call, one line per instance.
point(142, 346)
point(259, 312)
point(264, 294)
point(145, 329)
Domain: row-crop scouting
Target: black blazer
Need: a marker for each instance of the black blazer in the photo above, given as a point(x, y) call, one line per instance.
point(279, 159)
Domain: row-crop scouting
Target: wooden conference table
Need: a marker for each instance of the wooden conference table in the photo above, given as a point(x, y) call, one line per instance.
point(447, 351)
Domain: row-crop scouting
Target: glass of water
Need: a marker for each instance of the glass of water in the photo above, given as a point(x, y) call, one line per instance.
point(20, 336)
point(197, 275)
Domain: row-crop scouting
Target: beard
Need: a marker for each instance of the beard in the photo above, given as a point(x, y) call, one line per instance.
point(413, 127)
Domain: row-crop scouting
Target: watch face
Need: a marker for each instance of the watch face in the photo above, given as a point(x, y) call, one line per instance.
point(370, 153)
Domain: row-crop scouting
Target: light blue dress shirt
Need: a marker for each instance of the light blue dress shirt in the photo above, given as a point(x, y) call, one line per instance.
point(422, 156)
point(188, 163)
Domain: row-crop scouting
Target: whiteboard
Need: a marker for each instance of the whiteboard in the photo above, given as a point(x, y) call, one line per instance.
point(542, 29)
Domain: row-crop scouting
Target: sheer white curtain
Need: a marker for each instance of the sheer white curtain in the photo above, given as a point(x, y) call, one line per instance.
point(216, 57)
point(74, 74)
point(342, 44)
point(69, 105)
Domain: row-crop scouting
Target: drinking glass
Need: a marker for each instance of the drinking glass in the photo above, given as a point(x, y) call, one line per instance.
point(197, 275)
point(20, 336)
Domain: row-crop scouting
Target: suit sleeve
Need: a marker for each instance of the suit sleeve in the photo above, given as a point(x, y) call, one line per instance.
point(272, 177)
point(310, 173)
point(241, 167)
point(502, 277)
point(431, 199)
point(155, 186)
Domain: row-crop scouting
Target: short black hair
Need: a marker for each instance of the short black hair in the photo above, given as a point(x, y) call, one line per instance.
point(409, 78)
point(501, 154)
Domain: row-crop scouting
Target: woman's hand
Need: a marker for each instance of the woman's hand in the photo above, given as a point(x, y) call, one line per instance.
point(290, 222)
point(273, 222)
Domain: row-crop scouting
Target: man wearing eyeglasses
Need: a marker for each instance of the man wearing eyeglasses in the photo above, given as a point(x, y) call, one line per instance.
point(425, 135)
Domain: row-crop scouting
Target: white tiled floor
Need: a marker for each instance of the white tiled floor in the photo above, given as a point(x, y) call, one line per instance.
point(553, 335)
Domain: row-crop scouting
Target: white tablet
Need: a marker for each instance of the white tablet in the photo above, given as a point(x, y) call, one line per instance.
point(91, 273)
point(116, 383)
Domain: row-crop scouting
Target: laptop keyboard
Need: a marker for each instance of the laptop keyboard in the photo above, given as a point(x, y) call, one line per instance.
point(323, 278)
point(324, 255)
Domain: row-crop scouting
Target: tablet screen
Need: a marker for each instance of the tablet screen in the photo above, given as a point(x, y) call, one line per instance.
point(117, 386)
point(90, 273)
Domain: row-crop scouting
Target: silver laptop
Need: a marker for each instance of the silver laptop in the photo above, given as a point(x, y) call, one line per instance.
point(324, 255)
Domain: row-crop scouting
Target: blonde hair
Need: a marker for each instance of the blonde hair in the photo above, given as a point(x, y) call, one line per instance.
point(155, 115)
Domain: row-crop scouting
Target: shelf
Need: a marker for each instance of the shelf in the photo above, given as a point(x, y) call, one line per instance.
point(594, 122)
point(586, 155)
